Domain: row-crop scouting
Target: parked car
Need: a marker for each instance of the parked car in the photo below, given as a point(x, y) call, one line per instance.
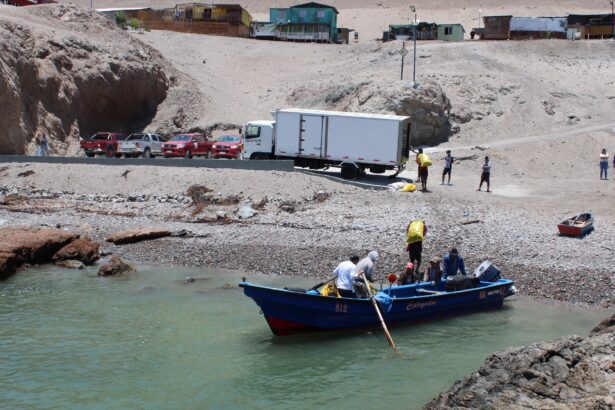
point(227, 146)
point(187, 146)
point(102, 143)
point(141, 145)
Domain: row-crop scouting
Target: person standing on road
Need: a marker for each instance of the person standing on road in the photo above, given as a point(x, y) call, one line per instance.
point(37, 142)
point(604, 163)
point(485, 176)
point(345, 274)
point(448, 166)
point(44, 145)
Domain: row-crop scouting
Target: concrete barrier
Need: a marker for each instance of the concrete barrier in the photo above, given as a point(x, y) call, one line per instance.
point(265, 165)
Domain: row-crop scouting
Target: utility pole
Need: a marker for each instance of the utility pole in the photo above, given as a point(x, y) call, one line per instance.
point(479, 11)
point(612, 22)
point(414, 83)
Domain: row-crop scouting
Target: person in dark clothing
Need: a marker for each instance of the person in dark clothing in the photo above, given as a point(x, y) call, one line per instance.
point(452, 263)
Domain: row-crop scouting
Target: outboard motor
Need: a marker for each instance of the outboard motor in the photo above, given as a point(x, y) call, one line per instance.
point(487, 272)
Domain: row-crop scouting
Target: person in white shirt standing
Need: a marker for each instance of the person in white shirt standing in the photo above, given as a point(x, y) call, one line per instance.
point(485, 176)
point(448, 166)
point(345, 274)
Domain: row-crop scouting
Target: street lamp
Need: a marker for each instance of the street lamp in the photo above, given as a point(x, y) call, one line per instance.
point(612, 21)
point(414, 83)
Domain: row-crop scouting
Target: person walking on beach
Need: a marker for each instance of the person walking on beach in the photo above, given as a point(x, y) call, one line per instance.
point(485, 176)
point(604, 163)
point(423, 162)
point(448, 166)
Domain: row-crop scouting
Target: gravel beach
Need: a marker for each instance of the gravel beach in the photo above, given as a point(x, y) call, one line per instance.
point(305, 224)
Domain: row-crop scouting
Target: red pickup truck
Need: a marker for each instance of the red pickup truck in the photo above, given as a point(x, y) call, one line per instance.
point(187, 146)
point(102, 143)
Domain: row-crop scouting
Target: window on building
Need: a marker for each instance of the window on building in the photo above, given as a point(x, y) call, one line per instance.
point(448, 30)
point(302, 13)
point(320, 14)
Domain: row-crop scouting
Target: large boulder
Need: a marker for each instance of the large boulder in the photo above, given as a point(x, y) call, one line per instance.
point(138, 235)
point(428, 106)
point(569, 373)
point(70, 71)
point(116, 266)
point(30, 245)
point(82, 249)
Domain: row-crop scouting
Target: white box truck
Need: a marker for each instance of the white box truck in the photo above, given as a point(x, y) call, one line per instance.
point(316, 139)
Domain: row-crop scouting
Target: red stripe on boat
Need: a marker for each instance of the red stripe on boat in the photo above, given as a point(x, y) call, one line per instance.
point(281, 327)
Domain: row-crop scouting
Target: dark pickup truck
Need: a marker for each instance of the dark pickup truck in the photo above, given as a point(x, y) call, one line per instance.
point(102, 143)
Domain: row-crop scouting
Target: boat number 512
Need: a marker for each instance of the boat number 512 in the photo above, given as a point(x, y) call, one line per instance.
point(341, 308)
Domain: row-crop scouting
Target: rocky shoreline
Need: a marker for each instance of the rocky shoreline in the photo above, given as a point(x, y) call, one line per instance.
point(569, 373)
point(307, 236)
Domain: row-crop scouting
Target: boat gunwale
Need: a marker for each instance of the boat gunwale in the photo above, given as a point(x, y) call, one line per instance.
point(492, 285)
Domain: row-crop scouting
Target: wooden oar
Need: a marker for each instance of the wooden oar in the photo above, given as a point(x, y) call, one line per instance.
point(324, 283)
point(384, 326)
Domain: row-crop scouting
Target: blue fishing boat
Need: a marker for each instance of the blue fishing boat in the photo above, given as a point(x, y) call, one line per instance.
point(289, 311)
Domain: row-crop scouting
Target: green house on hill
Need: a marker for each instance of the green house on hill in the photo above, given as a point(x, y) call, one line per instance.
point(305, 22)
point(450, 32)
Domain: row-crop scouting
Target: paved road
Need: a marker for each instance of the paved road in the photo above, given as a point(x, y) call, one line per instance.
point(266, 165)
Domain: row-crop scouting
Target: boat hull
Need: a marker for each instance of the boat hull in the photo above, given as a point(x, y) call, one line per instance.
point(289, 312)
point(579, 225)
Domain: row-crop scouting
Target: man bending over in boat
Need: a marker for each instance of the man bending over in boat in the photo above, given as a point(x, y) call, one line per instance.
point(452, 263)
point(364, 267)
point(345, 273)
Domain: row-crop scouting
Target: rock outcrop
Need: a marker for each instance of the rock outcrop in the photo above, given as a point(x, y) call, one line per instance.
point(30, 245)
point(70, 72)
point(116, 266)
point(82, 249)
point(138, 235)
point(428, 106)
point(569, 373)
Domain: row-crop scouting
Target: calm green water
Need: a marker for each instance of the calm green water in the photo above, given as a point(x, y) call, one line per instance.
point(71, 340)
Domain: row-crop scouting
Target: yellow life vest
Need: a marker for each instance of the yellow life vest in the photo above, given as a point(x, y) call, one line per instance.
point(415, 232)
point(329, 290)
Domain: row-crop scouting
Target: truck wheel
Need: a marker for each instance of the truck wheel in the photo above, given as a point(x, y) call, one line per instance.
point(188, 154)
point(89, 154)
point(349, 171)
point(209, 155)
point(167, 156)
point(147, 153)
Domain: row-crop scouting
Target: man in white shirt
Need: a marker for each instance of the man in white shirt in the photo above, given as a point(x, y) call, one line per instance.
point(345, 274)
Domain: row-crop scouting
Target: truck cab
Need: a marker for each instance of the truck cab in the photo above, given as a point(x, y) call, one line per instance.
point(258, 140)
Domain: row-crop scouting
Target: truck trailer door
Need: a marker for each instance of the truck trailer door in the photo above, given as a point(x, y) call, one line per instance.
point(312, 137)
